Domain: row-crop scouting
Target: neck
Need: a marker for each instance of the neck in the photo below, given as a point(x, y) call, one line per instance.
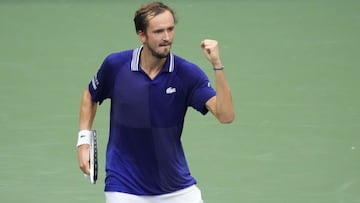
point(151, 64)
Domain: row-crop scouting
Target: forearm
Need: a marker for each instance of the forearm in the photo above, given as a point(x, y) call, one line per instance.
point(224, 105)
point(220, 105)
point(87, 111)
point(87, 114)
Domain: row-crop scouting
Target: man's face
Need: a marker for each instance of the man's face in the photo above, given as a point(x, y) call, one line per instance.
point(159, 34)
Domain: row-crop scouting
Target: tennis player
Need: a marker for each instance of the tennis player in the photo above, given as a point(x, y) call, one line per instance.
point(150, 89)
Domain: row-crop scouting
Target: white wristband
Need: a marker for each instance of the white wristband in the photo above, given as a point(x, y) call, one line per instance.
point(84, 137)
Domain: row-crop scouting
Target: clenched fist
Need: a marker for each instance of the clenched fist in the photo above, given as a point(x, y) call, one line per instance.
point(211, 51)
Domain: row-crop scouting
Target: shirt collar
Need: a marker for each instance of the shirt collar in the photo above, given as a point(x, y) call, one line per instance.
point(169, 64)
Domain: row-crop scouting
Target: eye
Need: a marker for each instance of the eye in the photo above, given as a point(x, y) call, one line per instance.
point(170, 29)
point(159, 31)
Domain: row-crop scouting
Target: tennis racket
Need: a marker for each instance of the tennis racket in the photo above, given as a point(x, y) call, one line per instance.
point(93, 157)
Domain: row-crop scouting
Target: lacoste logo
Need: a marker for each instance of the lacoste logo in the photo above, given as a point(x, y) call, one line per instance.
point(170, 90)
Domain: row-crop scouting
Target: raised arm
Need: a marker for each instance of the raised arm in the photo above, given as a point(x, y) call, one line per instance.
point(87, 114)
point(221, 105)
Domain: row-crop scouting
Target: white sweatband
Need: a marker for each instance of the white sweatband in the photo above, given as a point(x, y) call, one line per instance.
point(84, 137)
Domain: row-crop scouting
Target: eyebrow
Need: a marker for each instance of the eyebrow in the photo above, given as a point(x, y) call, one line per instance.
point(162, 29)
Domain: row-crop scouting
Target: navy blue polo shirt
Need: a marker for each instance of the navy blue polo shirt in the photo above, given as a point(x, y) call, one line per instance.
point(144, 152)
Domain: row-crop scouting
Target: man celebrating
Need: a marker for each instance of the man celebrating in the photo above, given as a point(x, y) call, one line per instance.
point(150, 90)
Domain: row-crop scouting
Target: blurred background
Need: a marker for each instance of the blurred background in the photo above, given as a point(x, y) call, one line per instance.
point(293, 67)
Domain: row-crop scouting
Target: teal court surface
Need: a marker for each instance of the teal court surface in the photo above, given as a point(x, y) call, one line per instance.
point(293, 67)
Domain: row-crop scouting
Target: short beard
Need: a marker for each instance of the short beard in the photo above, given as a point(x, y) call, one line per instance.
point(159, 55)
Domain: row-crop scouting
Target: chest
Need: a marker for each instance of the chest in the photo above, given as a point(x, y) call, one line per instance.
point(158, 101)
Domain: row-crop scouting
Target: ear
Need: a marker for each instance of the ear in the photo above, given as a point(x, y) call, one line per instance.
point(141, 35)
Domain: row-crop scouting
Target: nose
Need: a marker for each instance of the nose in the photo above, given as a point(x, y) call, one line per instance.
point(166, 36)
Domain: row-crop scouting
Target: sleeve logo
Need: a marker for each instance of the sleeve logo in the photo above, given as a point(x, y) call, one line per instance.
point(95, 82)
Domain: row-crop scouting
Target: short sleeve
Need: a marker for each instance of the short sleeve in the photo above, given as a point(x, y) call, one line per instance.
point(201, 92)
point(101, 86)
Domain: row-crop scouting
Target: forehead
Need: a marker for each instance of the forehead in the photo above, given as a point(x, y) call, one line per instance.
point(162, 20)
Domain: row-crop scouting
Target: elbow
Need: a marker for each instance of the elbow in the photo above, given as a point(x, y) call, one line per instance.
point(226, 119)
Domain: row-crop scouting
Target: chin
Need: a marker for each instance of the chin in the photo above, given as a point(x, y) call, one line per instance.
point(163, 54)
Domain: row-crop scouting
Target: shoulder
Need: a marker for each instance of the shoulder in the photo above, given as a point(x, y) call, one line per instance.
point(185, 66)
point(119, 57)
point(114, 62)
point(187, 69)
